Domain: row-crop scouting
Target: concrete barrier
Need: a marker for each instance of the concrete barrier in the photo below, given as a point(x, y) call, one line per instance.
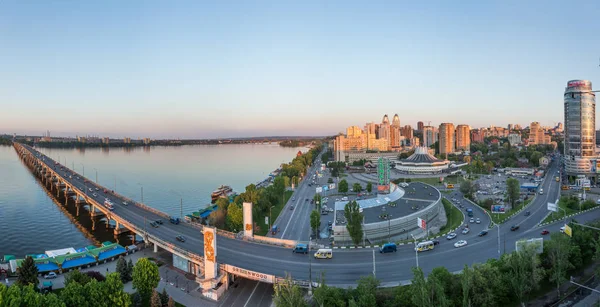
point(272, 241)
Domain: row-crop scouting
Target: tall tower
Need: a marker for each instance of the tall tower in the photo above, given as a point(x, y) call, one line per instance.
point(384, 131)
point(429, 136)
point(447, 138)
point(395, 133)
point(463, 137)
point(580, 129)
point(396, 121)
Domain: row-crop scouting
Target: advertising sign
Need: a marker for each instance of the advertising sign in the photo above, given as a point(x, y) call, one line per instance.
point(332, 186)
point(249, 274)
point(594, 165)
point(535, 243)
point(568, 230)
point(266, 220)
point(383, 189)
point(585, 183)
point(552, 207)
point(498, 209)
point(597, 166)
point(319, 189)
point(421, 223)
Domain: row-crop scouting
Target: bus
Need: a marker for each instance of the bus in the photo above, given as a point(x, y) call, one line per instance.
point(424, 246)
point(450, 186)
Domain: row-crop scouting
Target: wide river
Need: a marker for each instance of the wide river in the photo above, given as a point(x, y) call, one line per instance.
point(33, 220)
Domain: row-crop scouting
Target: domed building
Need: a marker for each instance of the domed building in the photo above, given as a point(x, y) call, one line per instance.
point(422, 162)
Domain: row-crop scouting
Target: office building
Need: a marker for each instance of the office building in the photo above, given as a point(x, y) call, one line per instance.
point(463, 137)
point(384, 131)
point(407, 132)
point(395, 139)
point(514, 139)
point(420, 126)
point(580, 129)
point(429, 136)
point(447, 139)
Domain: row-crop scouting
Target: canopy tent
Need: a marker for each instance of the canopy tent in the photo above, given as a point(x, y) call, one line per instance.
point(75, 260)
point(43, 265)
point(58, 252)
point(108, 251)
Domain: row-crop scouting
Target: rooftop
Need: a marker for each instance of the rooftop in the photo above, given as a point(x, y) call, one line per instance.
point(421, 155)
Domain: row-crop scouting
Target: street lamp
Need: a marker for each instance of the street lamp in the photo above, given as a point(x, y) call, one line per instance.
point(270, 222)
point(309, 266)
point(96, 175)
point(83, 169)
point(416, 251)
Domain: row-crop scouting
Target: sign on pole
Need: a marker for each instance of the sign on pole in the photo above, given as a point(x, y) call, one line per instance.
point(332, 186)
point(552, 207)
point(421, 223)
point(266, 220)
point(568, 230)
point(319, 189)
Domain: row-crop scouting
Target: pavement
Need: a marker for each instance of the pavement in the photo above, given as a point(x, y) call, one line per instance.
point(348, 265)
point(245, 293)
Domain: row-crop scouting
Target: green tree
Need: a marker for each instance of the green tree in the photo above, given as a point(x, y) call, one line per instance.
point(12, 296)
point(466, 282)
point(557, 253)
point(524, 272)
point(51, 300)
point(73, 295)
point(136, 299)
point(129, 270)
point(95, 293)
point(329, 180)
point(328, 296)
point(78, 277)
point(27, 273)
point(113, 287)
point(279, 185)
point(122, 269)
point(467, 188)
point(343, 186)
point(315, 221)
point(445, 285)
point(235, 217)
point(145, 277)
point(535, 157)
point(512, 190)
point(420, 289)
point(164, 297)
point(369, 187)
point(318, 201)
point(367, 286)
point(354, 221)
point(251, 195)
point(155, 300)
point(30, 296)
point(356, 187)
point(287, 294)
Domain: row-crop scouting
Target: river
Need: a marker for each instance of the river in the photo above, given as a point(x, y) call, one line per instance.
point(173, 179)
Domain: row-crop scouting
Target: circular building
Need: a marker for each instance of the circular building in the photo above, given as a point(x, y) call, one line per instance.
point(422, 162)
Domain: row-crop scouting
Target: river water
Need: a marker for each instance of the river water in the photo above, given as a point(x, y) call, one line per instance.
point(33, 219)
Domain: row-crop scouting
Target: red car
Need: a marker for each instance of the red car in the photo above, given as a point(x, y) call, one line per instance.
point(545, 232)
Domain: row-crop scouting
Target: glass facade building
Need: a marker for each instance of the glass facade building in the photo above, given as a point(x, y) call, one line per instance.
point(580, 129)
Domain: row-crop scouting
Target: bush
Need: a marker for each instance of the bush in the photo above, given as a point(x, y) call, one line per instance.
point(95, 275)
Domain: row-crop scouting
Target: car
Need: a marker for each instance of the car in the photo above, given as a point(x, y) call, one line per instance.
point(451, 236)
point(527, 213)
point(460, 243)
point(97, 189)
point(154, 224)
point(125, 203)
point(466, 231)
point(306, 199)
point(514, 227)
point(293, 198)
point(562, 229)
point(478, 221)
point(545, 232)
point(291, 207)
point(159, 222)
point(472, 220)
point(50, 275)
point(94, 194)
point(388, 248)
point(300, 248)
point(330, 223)
point(483, 233)
point(91, 190)
point(180, 238)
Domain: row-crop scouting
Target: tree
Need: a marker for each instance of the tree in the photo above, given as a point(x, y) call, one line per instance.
point(145, 277)
point(369, 187)
point(367, 285)
point(328, 296)
point(524, 271)
point(113, 287)
point(94, 293)
point(343, 186)
point(287, 294)
point(329, 180)
point(217, 218)
point(420, 289)
point(77, 277)
point(558, 251)
point(251, 195)
point(123, 269)
point(354, 221)
point(52, 300)
point(466, 282)
point(136, 299)
point(129, 270)
point(27, 273)
point(467, 188)
point(30, 296)
point(513, 190)
point(356, 187)
point(535, 157)
point(235, 217)
point(315, 221)
point(164, 297)
point(73, 295)
point(170, 302)
point(155, 300)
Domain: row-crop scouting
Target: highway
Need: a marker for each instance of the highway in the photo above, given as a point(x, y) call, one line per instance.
point(347, 265)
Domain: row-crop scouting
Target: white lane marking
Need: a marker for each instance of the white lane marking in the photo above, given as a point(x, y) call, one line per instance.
point(248, 300)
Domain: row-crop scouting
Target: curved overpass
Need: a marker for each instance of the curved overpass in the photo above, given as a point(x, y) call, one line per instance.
point(347, 265)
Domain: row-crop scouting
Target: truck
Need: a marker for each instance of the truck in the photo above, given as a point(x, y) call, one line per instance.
point(174, 220)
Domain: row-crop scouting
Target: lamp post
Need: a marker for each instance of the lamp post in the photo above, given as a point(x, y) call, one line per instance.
point(96, 175)
point(83, 166)
point(416, 251)
point(309, 266)
point(142, 194)
point(498, 225)
point(270, 218)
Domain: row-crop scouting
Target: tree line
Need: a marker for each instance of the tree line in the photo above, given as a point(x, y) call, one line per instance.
point(512, 279)
point(89, 289)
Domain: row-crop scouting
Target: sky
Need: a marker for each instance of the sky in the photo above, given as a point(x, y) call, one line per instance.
point(213, 69)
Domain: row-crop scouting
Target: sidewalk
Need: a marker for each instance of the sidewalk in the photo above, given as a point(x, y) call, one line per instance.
point(175, 277)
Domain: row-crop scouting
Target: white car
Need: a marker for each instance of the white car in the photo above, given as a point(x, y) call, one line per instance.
point(472, 220)
point(94, 195)
point(50, 275)
point(465, 231)
point(478, 221)
point(562, 229)
point(460, 243)
point(451, 236)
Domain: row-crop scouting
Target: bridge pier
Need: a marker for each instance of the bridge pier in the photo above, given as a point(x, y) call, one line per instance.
point(155, 248)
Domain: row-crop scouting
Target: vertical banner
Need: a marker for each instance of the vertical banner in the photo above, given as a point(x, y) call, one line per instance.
point(210, 252)
point(248, 225)
point(421, 223)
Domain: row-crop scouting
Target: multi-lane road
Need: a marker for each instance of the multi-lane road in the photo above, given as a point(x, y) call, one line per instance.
point(347, 265)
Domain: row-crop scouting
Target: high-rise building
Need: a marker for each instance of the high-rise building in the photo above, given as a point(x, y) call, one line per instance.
point(353, 131)
point(420, 126)
point(580, 129)
point(447, 138)
point(514, 139)
point(395, 140)
point(429, 136)
point(477, 135)
point(407, 132)
point(537, 135)
point(384, 131)
point(396, 121)
point(463, 137)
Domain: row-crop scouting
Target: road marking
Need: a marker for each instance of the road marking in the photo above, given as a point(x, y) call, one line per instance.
point(248, 300)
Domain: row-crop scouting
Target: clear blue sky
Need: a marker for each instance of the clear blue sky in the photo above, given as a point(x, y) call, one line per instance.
point(195, 69)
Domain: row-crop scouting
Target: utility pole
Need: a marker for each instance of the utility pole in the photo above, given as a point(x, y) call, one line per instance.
point(309, 267)
point(374, 264)
point(142, 195)
point(416, 251)
point(181, 209)
point(498, 225)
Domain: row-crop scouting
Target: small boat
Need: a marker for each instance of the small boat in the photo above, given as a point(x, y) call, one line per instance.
point(223, 191)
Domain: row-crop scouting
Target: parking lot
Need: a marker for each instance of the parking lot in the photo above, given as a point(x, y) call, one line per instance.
point(494, 186)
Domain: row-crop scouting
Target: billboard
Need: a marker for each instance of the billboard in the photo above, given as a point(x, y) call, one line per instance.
point(249, 274)
point(383, 189)
point(498, 209)
point(421, 223)
point(552, 207)
point(319, 189)
point(332, 186)
point(597, 163)
point(568, 230)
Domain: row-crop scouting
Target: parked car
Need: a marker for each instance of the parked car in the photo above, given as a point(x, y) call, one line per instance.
point(514, 227)
point(483, 233)
point(180, 238)
point(451, 236)
point(545, 232)
point(50, 275)
point(460, 243)
point(159, 221)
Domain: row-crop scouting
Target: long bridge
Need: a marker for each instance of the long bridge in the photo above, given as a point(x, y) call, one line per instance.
point(269, 263)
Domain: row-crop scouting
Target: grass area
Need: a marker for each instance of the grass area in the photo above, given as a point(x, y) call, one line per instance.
point(564, 212)
point(454, 216)
point(260, 218)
